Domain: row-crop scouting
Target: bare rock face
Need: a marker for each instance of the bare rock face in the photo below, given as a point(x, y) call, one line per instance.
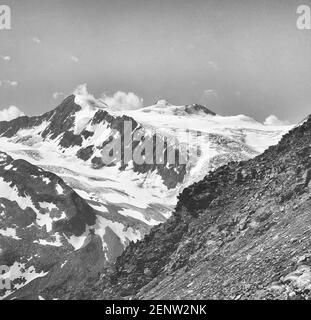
point(241, 233)
point(195, 108)
point(67, 276)
point(40, 220)
point(34, 189)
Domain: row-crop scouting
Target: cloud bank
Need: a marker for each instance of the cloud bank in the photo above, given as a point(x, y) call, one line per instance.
point(83, 97)
point(36, 40)
point(123, 101)
point(10, 113)
point(81, 90)
point(5, 58)
point(273, 120)
point(58, 95)
point(210, 93)
point(12, 83)
point(75, 59)
point(118, 101)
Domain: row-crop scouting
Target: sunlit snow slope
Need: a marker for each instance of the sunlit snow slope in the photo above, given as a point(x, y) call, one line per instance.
point(221, 139)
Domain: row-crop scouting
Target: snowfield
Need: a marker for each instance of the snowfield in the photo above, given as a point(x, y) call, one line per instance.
point(220, 137)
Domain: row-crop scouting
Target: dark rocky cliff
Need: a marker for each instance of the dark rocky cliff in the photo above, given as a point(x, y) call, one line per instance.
point(39, 213)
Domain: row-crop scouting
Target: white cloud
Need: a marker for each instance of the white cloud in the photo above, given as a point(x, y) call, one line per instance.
point(123, 101)
point(5, 58)
point(210, 93)
point(36, 40)
point(273, 120)
point(81, 90)
point(84, 98)
point(12, 83)
point(10, 113)
point(212, 65)
point(57, 95)
point(74, 59)
point(119, 101)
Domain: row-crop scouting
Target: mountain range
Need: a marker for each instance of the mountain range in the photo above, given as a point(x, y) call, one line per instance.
point(70, 223)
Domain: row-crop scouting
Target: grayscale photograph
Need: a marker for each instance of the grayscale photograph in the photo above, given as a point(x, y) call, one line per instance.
point(155, 151)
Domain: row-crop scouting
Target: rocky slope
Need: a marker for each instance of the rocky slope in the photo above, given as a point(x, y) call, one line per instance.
point(243, 232)
point(42, 220)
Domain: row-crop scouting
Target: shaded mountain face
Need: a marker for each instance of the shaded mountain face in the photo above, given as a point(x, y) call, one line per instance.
point(42, 220)
point(71, 273)
point(197, 108)
point(243, 232)
point(32, 188)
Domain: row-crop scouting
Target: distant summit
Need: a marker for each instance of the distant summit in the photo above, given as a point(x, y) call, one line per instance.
point(197, 108)
point(164, 107)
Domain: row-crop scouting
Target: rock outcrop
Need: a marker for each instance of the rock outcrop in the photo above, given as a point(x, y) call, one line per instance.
point(41, 220)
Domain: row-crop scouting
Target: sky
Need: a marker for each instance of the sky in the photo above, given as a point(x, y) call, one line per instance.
point(236, 57)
